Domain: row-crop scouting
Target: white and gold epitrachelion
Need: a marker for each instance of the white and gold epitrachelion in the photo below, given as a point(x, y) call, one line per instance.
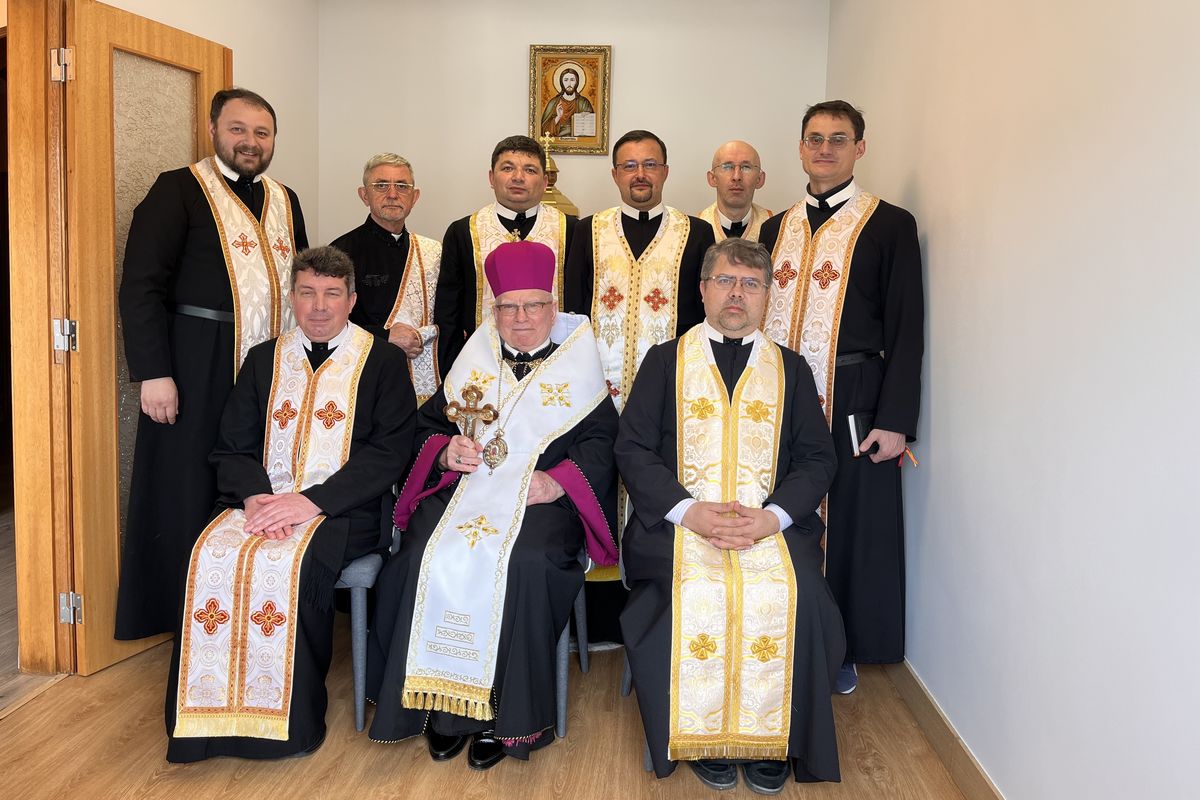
point(258, 257)
point(414, 307)
point(733, 613)
point(239, 632)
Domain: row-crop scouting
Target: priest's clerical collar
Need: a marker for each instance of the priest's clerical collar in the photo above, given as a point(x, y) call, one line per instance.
point(229, 172)
point(726, 221)
point(508, 213)
point(332, 343)
point(719, 337)
point(512, 352)
point(636, 213)
point(833, 197)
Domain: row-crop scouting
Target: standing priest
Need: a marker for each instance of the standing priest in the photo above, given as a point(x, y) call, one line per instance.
point(515, 477)
point(847, 296)
point(316, 431)
point(208, 250)
point(732, 634)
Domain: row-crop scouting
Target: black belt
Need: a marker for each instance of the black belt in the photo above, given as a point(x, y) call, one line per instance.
point(850, 359)
point(203, 313)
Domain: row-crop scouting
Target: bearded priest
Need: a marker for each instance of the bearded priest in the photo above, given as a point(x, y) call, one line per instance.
point(514, 478)
point(318, 428)
point(733, 636)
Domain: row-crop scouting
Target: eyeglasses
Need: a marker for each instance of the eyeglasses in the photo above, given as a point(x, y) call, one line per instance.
point(383, 187)
point(745, 167)
point(726, 283)
point(650, 165)
point(530, 309)
point(837, 141)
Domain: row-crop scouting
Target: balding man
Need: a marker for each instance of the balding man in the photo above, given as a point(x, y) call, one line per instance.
point(736, 174)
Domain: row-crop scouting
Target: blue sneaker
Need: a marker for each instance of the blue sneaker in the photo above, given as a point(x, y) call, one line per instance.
point(847, 678)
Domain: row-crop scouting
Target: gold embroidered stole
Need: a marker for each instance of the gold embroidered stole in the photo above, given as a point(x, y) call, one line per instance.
point(239, 636)
point(733, 613)
point(258, 257)
point(811, 273)
point(459, 611)
point(758, 215)
point(414, 307)
point(487, 234)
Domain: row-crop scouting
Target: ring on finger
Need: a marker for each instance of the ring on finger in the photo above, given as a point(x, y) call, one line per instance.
point(458, 459)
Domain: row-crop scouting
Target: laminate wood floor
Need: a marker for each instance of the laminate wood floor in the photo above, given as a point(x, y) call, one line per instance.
point(15, 686)
point(102, 737)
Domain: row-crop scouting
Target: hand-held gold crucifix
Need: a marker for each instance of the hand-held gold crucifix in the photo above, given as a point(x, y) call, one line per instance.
point(471, 413)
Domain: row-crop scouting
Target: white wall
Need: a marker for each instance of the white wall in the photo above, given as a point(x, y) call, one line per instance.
point(441, 83)
point(274, 45)
point(1049, 153)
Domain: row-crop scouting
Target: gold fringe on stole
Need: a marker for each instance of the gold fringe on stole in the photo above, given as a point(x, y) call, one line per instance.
point(431, 694)
point(242, 723)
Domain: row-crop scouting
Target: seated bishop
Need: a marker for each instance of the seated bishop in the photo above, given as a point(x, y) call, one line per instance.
point(514, 479)
point(733, 636)
point(318, 428)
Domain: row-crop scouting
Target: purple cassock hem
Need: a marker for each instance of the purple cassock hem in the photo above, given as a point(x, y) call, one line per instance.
point(600, 545)
point(414, 490)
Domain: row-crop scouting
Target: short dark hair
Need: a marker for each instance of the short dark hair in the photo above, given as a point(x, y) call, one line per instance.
point(329, 262)
point(638, 136)
point(519, 144)
point(571, 70)
point(837, 108)
point(739, 252)
point(237, 93)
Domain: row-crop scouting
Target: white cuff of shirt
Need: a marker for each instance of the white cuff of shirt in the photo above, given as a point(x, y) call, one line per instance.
point(675, 515)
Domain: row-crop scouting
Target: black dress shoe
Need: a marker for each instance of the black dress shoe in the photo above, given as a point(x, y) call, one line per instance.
point(485, 752)
point(442, 747)
point(715, 774)
point(767, 777)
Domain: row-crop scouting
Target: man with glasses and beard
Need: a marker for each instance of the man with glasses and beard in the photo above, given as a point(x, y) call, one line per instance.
point(846, 294)
point(395, 270)
point(208, 251)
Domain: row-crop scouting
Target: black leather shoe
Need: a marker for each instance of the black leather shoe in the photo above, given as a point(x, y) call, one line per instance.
point(442, 747)
point(714, 774)
point(766, 777)
point(485, 752)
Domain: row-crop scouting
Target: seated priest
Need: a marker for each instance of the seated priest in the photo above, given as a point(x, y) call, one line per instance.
point(733, 636)
point(318, 428)
point(515, 477)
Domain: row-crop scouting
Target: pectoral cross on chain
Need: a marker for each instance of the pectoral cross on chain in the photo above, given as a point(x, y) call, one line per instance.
point(471, 413)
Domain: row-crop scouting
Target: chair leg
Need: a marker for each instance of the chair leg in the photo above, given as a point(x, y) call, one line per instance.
point(647, 763)
point(626, 678)
point(560, 680)
point(581, 635)
point(358, 653)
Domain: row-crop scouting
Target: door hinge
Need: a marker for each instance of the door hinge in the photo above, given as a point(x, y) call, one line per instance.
point(66, 336)
point(70, 608)
point(62, 64)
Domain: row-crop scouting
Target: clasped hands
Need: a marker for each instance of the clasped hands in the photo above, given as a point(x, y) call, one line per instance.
point(730, 526)
point(465, 455)
point(272, 516)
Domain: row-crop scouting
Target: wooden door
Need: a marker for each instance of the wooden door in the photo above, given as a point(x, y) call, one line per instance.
point(138, 105)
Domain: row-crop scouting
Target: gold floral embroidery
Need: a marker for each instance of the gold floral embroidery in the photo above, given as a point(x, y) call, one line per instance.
point(481, 379)
point(758, 410)
point(703, 646)
point(476, 529)
point(703, 408)
point(764, 648)
point(556, 394)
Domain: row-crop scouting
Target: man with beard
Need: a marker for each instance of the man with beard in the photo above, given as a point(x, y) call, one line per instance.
point(556, 119)
point(635, 270)
point(464, 298)
point(395, 270)
point(208, 251)
point(733, 636)
point(514, 478)
point(847, 296)
point(736, 174)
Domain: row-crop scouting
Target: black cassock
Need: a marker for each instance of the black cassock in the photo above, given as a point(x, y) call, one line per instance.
point(173, 256)
point(379, 259)
point(605, 599)
point(454, 305)
point(357, 501)
point(646, 457)
point(884, 312)
point(544, 577)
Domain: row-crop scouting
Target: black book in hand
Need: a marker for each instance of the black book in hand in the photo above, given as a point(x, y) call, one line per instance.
point(861, 425)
